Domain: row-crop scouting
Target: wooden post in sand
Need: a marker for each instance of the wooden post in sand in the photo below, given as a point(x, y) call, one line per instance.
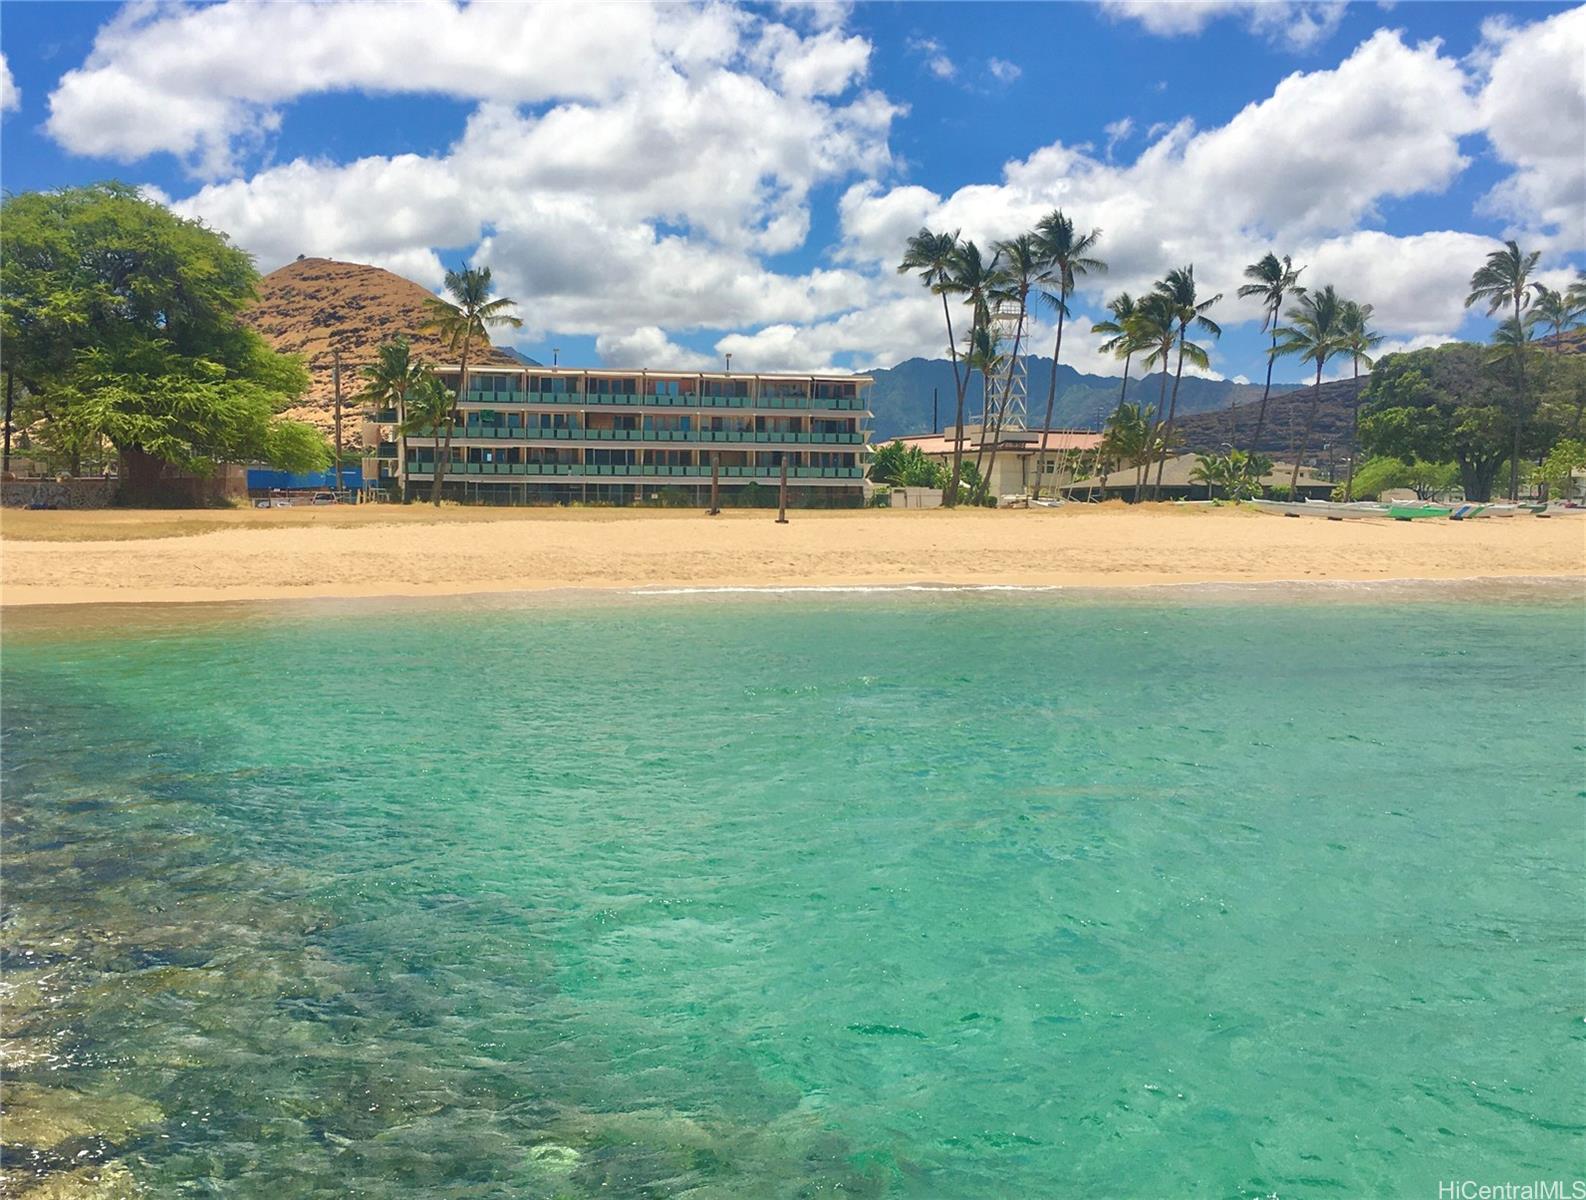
point(781, 513)
point(715, 483)
point(335, 377)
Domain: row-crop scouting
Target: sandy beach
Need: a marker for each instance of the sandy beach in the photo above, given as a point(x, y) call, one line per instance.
point(165, 557)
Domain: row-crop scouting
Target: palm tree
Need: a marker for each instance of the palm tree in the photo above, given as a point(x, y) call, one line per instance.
point(427, 405)
point(1020, 269)
point(1275, 281)
point(1561, 311)
point(976, 280)
point(1504, 281)
point(1119, 343)
point(461, 323)
point(1357, 340)
point(1128, 440)
point(1154, 329)
point(392, 375)
point(1512, 343)
point(1188, 311)
point(934, 256)
point(980, 354)
point(1069, 256)
point(1315, 333)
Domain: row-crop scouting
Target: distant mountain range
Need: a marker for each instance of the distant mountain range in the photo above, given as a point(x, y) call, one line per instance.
point(901, 399)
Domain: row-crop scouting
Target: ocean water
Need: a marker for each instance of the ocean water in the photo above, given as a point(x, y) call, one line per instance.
point(956, 896)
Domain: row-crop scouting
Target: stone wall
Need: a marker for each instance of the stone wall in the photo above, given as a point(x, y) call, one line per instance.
point(51, 493)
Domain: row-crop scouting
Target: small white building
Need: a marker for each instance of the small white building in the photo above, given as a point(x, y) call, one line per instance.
point(1020, 462)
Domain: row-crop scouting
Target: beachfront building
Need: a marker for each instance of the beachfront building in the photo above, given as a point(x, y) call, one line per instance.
point(548, 435)
point(1020, 460)
point(1178, 482)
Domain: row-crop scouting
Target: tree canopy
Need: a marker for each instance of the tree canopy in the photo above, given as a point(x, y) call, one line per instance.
point(1442, 404)
point(120, 321)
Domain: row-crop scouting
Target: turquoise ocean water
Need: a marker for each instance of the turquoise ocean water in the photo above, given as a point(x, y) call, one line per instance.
point(918, 896)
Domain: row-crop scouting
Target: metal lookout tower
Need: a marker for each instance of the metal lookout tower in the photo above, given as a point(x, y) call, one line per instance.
point(1009, 392)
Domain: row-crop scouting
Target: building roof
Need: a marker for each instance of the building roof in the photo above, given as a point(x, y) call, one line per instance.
point(496, 368)
point(1176, 473)
point(1029, 441)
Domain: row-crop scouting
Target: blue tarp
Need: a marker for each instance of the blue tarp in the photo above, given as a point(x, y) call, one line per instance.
point(262, 479)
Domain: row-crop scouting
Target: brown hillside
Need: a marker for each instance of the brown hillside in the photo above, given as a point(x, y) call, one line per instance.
point(314, 305)
point(1206, 432)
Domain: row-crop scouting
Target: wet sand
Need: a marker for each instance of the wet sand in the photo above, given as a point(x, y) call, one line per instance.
point(165, 557)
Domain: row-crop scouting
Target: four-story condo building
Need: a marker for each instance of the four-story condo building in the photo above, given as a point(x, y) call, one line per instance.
point(547, 435)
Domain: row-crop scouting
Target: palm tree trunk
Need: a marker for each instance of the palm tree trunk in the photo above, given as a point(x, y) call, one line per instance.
point(444, 460)
point(1519, 404)
point(959, 384)
point(1172, 411)
point(1305, 439)
point(1261, 413)
point(1151, 426)
point(1354, 437)
point(1051, 390)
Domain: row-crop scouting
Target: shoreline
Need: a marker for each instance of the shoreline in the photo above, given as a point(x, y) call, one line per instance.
point(366, 555)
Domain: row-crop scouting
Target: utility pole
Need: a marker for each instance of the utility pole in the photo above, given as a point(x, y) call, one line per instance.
point(935, 420)
point(715, 483)
point(781, 515)
point(335, 379)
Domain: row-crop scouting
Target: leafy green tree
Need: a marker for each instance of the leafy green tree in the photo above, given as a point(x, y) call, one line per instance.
point(462, 323)
point(933, 256)
point(1315, 332)
point(1559, 468)
point(1069, 256)
point(1237, 474)
point(1274, 281)
point(120, 320)
point(902, 465)
point(1378, 474)
point(1436, 405)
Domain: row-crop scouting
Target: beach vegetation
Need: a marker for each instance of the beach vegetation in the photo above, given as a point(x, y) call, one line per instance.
point(1503, 283)
point(389, 380)
point(1314, 333)
point(902, 465)
point(463, 321)
point(934, 257)
point(1235, 475)
point(119, 322)
point(1357, 339)
point(1561, 469)
point(1185, 311)
point(1442, 404)
point(1068, 256)
point(1274, 282)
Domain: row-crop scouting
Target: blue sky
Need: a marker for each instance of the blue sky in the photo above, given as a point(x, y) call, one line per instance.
point(659, 186)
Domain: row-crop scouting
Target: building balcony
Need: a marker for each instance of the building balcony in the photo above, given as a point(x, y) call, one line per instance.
point(695, 436)
point(604, 471)
point(476, 399)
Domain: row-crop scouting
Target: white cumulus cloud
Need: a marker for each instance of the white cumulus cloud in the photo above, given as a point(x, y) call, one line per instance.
point(10, 95)
point(1299, 24)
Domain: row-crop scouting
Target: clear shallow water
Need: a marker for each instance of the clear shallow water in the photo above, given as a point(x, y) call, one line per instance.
point(943, 896)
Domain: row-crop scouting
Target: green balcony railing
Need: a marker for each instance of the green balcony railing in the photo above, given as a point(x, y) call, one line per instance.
point(715, 436)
